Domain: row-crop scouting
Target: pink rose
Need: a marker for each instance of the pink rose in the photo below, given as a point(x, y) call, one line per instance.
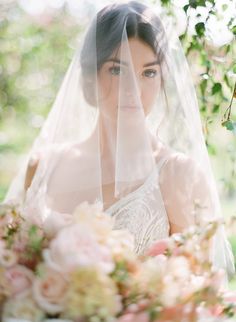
point(49, 290)
point(19, 280)
point(158, 248)
point(76, 246)
point(230, 296)
point(216, 310)
point(134, 317)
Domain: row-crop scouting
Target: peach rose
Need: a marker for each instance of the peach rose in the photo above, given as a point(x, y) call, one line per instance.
point(49, 290)
point(19, 280)
point(134, 317)
point(177, 313)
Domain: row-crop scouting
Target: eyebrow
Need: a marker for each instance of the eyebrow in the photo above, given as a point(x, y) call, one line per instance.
point(156, 62)
point(115, 60)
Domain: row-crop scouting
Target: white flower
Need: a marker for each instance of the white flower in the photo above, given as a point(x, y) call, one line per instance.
point(178, 267)
point(93, 217)
point(20, 308)
point(170, 292)
point(150, 275)
point(121, 243)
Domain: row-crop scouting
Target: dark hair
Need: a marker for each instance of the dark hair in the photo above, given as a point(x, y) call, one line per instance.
point(108, 26)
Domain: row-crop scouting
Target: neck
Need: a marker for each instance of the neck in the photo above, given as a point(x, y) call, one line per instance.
point(108, 134)
point(108, 140)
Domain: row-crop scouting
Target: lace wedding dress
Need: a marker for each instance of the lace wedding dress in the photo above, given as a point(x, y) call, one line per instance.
point(143, 212)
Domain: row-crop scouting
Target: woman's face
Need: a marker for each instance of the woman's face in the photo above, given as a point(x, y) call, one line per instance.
point(146, 75)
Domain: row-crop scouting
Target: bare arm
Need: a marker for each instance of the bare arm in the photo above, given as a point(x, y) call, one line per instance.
point(30, 172)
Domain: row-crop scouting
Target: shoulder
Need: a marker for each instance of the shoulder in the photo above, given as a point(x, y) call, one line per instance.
point(184, 188)
point(40, 158)
point(180, 169)
point(183, 176)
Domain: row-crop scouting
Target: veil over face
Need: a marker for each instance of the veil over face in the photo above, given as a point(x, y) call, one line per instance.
point(126, 96)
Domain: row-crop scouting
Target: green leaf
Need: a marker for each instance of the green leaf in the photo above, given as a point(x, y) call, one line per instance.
point(203, 86)
point(206, 63)
point(193, 4)
point(216, 108)
point(230, 125)
point(233, 30)
point(227, 48)
point(226, 79)
point(165, 2)
point(186, 8)
point(200, 29)
point(216, 88)
point(211, 149)
point(234, 69)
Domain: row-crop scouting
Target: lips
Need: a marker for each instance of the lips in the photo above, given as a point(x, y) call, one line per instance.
point(130, 107)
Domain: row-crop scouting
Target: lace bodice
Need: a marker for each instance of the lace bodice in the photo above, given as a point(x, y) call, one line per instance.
point(143, 212)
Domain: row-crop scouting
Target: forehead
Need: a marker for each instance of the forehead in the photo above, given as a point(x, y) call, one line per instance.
point(135, 49)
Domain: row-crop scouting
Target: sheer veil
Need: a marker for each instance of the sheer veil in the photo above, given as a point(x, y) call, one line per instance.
point(89, 143)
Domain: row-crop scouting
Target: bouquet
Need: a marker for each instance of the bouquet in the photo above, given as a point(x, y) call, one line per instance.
point(80, 269)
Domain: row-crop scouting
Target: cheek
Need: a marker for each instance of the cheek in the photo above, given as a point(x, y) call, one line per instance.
point(108, 93)
point(149, 93)
point(103, 87)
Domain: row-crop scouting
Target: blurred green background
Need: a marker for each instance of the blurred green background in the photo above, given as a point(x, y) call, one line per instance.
point(38, 40)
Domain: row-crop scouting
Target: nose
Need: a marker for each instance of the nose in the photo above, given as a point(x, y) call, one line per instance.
point(132, 89)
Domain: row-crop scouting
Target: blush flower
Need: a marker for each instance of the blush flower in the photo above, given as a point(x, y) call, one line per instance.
point(49, 290)
point(158, 248)
point(75, 246)
point(19, 280)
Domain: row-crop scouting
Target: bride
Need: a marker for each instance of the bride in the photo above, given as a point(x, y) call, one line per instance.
point(125, 131)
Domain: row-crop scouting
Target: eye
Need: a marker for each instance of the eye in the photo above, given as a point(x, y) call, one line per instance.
point(150, 73)
point(115, 70)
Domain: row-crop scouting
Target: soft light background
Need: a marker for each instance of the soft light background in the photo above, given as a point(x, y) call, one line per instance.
point(38, 39)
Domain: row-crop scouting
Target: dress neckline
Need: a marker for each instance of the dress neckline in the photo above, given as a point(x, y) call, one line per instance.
point(154, 173)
